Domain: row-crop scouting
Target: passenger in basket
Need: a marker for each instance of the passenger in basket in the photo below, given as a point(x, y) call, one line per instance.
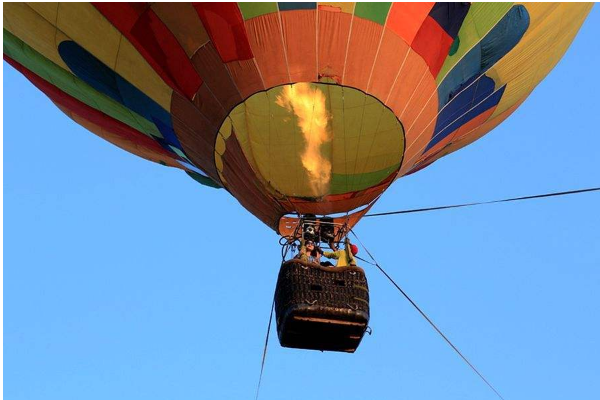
point(308, 252)
point(344, 257)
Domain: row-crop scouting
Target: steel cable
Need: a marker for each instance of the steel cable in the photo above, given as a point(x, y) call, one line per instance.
point(427, 318)
point(538, 196)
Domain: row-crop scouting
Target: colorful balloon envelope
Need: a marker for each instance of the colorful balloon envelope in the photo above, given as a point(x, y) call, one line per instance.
point(294, 108)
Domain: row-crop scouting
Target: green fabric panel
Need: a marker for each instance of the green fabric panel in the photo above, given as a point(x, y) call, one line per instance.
point(203, 180)
point(454, 47)
point(341, 183)
point(180, 154)
point(376, 12)
point(70, 84)
point(480, 19)
point(251, 10)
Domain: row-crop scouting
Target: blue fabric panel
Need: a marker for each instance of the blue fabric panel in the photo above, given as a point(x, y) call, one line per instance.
point(504, 36)
point(296, 6)
point(495, 45)
point(168, 133)
point(468, 67)
point(137, 101)
point(89, 69)
point(450, 16)
point(466, 106)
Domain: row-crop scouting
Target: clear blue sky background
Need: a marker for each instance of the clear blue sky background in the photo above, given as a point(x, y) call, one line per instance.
point(127, 280)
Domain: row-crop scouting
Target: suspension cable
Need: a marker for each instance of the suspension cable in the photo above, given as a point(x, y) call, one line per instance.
point(538, 196)
point(264, 356)
point(426, 317)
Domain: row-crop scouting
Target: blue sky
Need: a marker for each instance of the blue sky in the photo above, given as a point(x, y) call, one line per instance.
point(127, 280)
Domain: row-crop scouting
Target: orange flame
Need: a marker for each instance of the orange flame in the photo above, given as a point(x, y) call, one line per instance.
point(308, 104)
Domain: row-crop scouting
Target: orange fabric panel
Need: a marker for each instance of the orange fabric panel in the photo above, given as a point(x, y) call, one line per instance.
point(392, 53)
point(119, 141)
point(246, 77)
point(414, 101)
point(364, 42)
point(266, 42)
point(405, 19)
point(182, 20)
point(300, 35)
point(208, 63)
point(334, 29)
point(411, 74)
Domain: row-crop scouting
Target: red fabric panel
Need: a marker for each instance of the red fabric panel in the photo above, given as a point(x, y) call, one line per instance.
point(94, 116)
point(264, 34)
point(405, 19)
point(119, 141)
point(225, 26)
point(433, 44)
point(151, 37)
point(364, 42)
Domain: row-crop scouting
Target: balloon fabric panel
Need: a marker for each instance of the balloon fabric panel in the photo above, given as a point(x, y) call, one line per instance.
point(292, 107)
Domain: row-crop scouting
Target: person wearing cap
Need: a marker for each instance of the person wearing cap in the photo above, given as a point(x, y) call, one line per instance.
point(309, 252)
point(344, 257)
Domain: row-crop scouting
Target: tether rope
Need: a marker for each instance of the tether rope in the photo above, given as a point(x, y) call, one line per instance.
point(427, 318)
point(264, 356)
point(538, 196)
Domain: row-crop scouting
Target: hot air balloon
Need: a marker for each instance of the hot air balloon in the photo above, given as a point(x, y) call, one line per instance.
point(304, 112)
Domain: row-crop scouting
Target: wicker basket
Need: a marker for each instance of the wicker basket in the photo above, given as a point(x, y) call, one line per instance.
point(321, 308)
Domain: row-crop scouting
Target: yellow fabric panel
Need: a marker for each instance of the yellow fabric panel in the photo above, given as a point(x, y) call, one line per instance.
point(131, 66)
point(544, 43)
point(275, 143)
point(29, 26)
point(343, 6)
point(225, 130)
point(48, 11)
point(88, 27)
point(220, 145)
point(363, 137)
point(82, 23)
point(479, 21)
point(367, 135)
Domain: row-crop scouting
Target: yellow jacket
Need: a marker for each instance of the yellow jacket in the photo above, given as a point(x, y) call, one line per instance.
point(343, 257)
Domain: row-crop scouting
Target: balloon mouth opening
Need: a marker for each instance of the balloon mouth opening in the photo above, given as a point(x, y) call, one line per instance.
point(311, 141)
